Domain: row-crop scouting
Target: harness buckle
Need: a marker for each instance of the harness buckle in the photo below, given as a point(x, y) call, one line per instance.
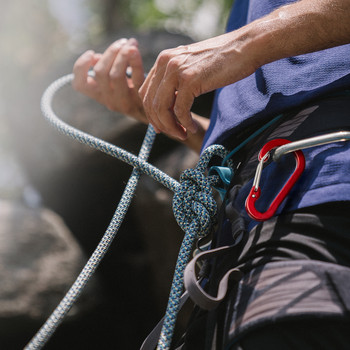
point(255, 191)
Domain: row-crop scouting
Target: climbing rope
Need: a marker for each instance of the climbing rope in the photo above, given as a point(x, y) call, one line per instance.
point(193, 205)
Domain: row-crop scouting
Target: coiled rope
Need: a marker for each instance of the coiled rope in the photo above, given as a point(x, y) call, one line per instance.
point(193, 205)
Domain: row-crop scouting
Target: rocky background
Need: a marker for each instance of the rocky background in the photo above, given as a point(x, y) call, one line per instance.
point(57, 196)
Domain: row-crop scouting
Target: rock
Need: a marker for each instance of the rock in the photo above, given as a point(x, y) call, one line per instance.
point(39, 260)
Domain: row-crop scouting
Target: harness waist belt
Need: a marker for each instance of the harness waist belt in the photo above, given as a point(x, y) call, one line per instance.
point(288, 290)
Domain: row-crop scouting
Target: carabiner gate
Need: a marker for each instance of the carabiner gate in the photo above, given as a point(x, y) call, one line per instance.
point(255, 192)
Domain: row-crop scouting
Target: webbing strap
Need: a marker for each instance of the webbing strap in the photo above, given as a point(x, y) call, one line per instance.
point(193, 286)
point(288, 290)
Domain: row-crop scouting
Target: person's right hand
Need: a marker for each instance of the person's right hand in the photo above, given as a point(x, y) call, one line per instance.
point(110, 85)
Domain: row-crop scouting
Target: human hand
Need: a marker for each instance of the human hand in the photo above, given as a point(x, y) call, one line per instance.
point(110, 84)
point(181, 74)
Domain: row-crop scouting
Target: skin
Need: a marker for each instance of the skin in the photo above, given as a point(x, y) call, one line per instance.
point(179, 75)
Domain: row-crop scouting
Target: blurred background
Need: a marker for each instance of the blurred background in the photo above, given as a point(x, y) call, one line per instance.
point(57, 196)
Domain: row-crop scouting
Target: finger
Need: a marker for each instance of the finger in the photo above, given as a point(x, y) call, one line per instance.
point(151, 106)
point(81, 81)
point(145, 98)
point(144, 87)
point(129, 56)
point(172, 127)
point(182, 110)
point(136, 64)
point(150, 86)
point(148, 92)
point(164, 116)
point(103, 66)
point(123, 89)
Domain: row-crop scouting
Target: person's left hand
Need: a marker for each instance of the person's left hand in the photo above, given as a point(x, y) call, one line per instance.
point(110, 85)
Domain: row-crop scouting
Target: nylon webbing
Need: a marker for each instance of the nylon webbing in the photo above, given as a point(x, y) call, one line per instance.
point(193, 205)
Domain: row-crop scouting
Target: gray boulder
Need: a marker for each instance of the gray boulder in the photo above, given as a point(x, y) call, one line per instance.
point(39, 260)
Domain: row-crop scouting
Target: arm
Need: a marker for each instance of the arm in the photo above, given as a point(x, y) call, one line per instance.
point(181, 74)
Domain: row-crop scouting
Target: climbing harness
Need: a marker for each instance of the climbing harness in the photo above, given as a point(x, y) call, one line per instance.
point(320, 294)
point(193, 205)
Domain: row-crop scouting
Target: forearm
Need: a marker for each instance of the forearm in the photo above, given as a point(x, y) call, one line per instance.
point(301, 27)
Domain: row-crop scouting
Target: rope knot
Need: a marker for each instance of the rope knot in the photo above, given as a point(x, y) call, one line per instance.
point(193, 203)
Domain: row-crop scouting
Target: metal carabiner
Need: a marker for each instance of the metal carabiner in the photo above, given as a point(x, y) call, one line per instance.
point(255, 192)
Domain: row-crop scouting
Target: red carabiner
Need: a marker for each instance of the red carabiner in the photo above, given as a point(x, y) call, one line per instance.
point(255, 192)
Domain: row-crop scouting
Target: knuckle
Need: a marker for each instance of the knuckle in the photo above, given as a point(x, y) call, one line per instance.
point(115, 47)
point(114, 50)
point(174, 63)
point(115, 75)
point(99, 70)
point(164, 56)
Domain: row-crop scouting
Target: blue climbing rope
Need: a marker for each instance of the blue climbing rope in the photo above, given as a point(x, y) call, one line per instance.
point(193, 205)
